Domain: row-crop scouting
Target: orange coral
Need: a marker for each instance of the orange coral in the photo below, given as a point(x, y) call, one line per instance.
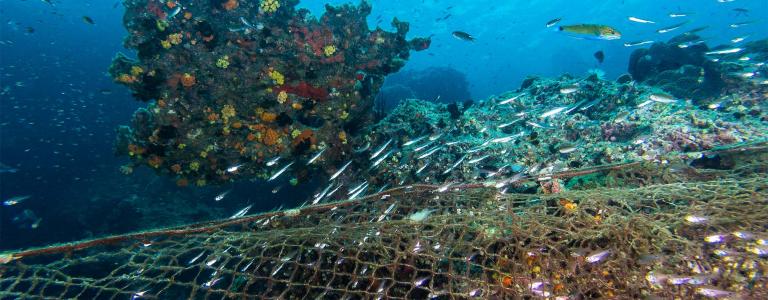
point(170, 4)
point(251, 137)
point(270, 137)
point(127, 79)
point(188, 80)
point(268, 117)
point(213, 117)
point(506, 281)
point(237, 125)
point(155, 161)
point(135, 150)
point(182, 182)
point(176, 168)
point(230, 5)
point(306, 135)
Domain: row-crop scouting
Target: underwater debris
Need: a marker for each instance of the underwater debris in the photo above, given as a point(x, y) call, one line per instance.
point(237, 97)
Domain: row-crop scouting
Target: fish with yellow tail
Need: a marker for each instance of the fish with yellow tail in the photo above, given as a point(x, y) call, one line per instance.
point(591, 31)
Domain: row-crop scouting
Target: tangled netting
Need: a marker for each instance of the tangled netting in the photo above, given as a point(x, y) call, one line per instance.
point(637, 230)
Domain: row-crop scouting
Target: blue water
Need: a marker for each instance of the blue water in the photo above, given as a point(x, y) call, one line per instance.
point(59, 109)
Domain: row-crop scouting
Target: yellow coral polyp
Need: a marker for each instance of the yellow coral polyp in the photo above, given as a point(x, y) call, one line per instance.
point(223, 62)
point(228, 111)
point(166, 44)
point(329, 50)
point(136, 70)
point(277, 77)
point(269, 6)
point(194, 166)
point(175, 38)
point(282, 97)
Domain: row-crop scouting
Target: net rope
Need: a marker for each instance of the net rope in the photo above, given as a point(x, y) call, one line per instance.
point(630, 231)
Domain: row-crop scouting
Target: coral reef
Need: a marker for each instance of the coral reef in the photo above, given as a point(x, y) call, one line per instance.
point(553, 125)
point(687, 68)
point(228, 83)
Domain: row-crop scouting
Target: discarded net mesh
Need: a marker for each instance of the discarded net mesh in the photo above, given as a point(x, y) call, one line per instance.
point(629, 231)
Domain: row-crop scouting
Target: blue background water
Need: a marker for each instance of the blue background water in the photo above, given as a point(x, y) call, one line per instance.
point(59, 109)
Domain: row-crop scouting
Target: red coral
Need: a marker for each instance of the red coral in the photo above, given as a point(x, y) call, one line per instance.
point(316, 38)
point(156, 10)
point(306, 90)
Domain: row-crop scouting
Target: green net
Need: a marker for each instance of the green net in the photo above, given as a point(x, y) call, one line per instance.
point(652, 229)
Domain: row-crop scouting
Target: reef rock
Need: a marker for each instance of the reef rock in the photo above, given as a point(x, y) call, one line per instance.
point(233, 84)
point(683, 71)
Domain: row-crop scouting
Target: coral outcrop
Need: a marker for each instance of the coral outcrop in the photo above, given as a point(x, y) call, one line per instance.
point(230, 82)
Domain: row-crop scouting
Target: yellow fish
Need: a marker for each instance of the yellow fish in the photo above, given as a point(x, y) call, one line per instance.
point(592, 31)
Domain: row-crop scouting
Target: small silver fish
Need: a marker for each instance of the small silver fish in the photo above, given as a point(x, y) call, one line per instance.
point(316, 156)
point(553, 112)
point(319, 196)
point(638, 43)
point(569, 89)
point(234, 168)
point(638, 20)
point(713, 292)
point(690, 44)
point(280, 172)
point(423, 167)
point(724, 51)
point(509, 124)
point(597, 257)
point(567, 149)
point(340, 171)
point(273, 161)
point(194, 259)
point(363, 148)
point(590, 104)
point(241, 212)
point(16, 200)
point(662, 98)
point(444, 187)
point(455, 164)
point(479, 159)
point(414, 141)
point(422, 147)
point(381, 149)
point(575, 106)
point(359, 191)
point(430, 152)
point(352, 191)
point(221, 196)
point(678, 15)
point(671, 28)
point(510, 99)
point(741, 24)
point(739, 39)
point(537, 125)
point(382, 158)
point(646, 102)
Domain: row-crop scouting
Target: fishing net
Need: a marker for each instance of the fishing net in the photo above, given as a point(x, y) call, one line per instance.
point(666, 228)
